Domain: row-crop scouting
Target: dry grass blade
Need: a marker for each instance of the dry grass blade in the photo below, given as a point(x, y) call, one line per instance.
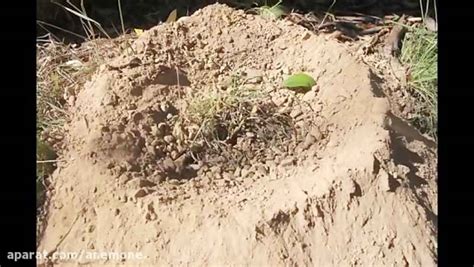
point(119, 3)
point(61, 70)
point(224, 115)
point(42, 24)
point(85, 20)
point(327, 13)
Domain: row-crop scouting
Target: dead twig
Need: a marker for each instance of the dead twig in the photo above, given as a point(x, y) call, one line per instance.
point(394, 40)
point(50, 161)
point(370, 30)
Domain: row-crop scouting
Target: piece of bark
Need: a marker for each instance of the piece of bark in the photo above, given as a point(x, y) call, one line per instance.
point(393, 43)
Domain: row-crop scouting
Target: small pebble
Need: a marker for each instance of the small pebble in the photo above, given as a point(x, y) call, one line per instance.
point(288, 162)
point(174, 182)
point(140, 193)
point(164, 107)
point(306, 35)
point(168, 139)
point(309, 140)
point(316, 133)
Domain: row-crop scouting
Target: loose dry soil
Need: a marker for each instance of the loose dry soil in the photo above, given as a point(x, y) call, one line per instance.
point(329, 177)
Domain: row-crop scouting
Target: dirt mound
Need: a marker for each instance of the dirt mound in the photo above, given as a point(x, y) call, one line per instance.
point(187, 149)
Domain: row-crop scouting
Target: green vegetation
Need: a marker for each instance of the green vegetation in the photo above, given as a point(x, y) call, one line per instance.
point(420, 55)
point(227, 109)
point(223, 114)
point(272, 12)
point(299, 81)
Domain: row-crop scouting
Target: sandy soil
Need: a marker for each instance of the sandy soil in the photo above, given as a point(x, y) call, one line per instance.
point(343, 182)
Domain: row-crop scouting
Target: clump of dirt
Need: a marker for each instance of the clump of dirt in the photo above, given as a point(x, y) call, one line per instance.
point(186, 149)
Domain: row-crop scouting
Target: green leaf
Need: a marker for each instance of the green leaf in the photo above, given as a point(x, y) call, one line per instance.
point(300, 80)
point(272, 12)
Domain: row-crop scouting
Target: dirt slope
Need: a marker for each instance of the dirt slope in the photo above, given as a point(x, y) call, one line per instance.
point(341, 185)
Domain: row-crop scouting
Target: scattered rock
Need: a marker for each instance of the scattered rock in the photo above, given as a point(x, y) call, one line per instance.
point(131, 106)
point(168, 165)
point(316, 133)
point(162, 127)
point(164, 106)
point(216, 169)
point(245, 173)
point(145, 183)
point(250, 134)
point(254, 76)
point(140, 193)
point(306, 35)
point(290, 161)
point(310, 95)
point(174, 182)
point(261, 171)
point(110, 99)
point(237, 171)
point(124, 178)
point(220, 182)
point(137, 117)
point(309, 141)
point(295, 113)
point(226, 176)
point(384, 180)
point(169, 139)
point(402, 171)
